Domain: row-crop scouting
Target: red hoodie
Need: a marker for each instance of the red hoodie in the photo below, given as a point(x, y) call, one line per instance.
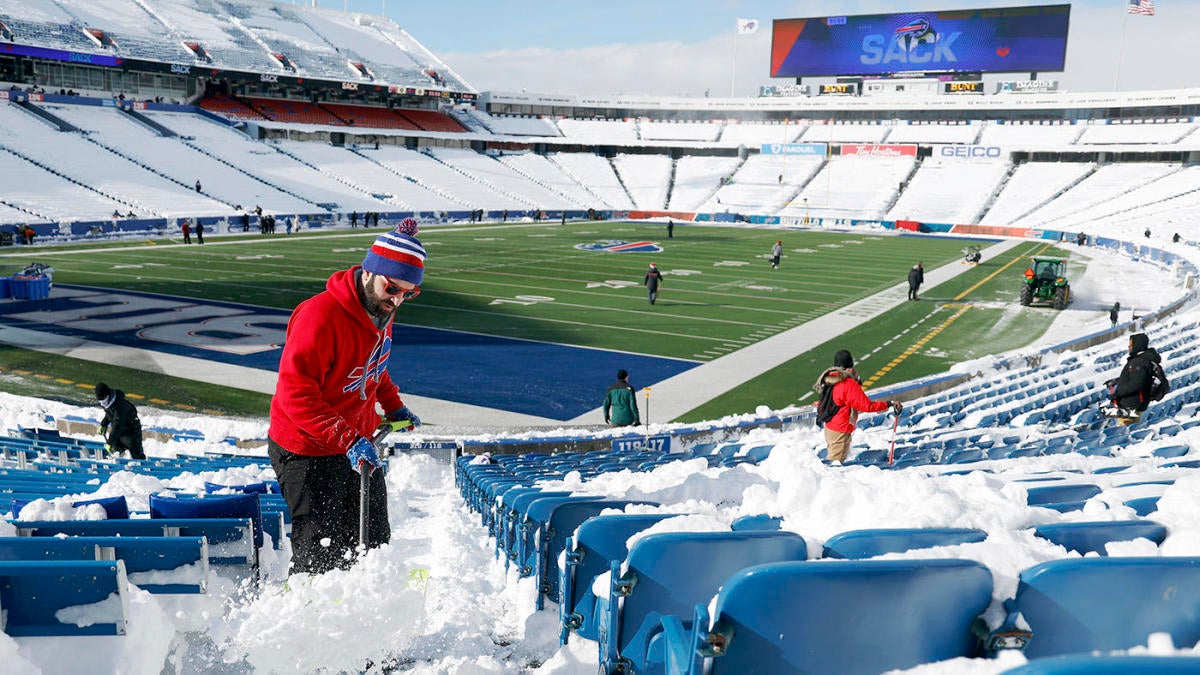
point(333, 369)
point(849, 394)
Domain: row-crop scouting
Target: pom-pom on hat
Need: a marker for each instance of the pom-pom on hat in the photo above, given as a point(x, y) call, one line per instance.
point(398, 254)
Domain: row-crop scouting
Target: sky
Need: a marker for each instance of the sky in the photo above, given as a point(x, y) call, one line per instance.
point(682, 47)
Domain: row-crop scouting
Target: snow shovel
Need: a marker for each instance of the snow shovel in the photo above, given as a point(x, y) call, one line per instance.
point(364, 479)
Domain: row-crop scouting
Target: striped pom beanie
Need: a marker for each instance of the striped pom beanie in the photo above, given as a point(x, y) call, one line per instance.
point(397, 254)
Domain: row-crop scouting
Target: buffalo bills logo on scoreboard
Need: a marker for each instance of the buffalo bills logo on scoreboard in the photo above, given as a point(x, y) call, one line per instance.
point(621, 247)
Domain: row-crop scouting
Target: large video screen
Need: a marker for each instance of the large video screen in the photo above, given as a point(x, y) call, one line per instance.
point(994, 40)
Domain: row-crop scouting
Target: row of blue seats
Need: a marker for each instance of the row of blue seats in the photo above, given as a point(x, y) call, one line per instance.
point(536, 526)
point(651, 619)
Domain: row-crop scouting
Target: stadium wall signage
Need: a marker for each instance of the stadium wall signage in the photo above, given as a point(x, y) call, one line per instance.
point(818, 149)
point(968, 151)
point(879, 150)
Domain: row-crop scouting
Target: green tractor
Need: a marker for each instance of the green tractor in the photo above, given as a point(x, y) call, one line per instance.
point(1046, 281)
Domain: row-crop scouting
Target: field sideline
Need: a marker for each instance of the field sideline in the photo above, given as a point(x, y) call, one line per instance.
point(562, 285)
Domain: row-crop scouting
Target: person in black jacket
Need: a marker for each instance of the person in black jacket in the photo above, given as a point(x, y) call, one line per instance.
point(1130, 392)
point(652, 281)
point(916, 277)
point(121, 428)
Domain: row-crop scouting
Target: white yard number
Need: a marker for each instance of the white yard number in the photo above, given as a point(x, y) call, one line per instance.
point(521, 300)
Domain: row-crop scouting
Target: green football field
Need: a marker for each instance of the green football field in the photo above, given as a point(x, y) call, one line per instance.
point(532, 281)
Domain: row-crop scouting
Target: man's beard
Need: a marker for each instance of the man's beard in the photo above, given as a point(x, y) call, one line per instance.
point(378, 306)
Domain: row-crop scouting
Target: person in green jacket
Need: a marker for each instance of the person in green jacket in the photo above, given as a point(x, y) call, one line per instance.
point(620, 403)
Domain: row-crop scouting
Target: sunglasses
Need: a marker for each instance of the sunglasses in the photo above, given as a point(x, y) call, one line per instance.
point(392, 288)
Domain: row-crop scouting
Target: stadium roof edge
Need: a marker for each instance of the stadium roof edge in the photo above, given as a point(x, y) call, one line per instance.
point(804, 104)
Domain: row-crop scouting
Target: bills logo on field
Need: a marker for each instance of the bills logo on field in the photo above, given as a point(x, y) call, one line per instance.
point(621, 247)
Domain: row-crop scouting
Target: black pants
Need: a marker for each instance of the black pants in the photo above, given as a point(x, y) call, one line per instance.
point(912, 292)
point(322, 496)
point(131, 443)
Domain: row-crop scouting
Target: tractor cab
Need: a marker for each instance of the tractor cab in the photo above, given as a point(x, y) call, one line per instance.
point(1046, 281)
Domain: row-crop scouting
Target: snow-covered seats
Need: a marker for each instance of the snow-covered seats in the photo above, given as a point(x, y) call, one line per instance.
point(230, 540)
point(590, 553)
point(63, 597)
point(667, 574)
point(114, 507)
point(861, 544)
point(1094, 537)
point(155, 564)
point(1078, 606)
point(811, 617)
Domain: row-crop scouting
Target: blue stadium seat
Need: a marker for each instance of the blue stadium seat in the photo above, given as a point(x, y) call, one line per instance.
point(668, 573)
point(146, 558)
point(1092, 537)
point(114, 507)
point(563, 520)
point(1078, 606)
point(810, 617)
point(590, 553)
point(1143, 506)
point(210, 506)
point(859, 544)
point(1074, 495)
point(759, 522)
point(1123, 664)
point(235, 536)
point(33, 593)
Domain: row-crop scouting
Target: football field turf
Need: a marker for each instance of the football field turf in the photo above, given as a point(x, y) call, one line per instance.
point(581, 285)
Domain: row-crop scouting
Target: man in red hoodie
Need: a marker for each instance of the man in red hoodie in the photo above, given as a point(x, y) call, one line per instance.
point(845, 400)
point(332, 374)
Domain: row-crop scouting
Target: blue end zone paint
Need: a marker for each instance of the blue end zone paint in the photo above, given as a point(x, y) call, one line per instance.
point(534, 378)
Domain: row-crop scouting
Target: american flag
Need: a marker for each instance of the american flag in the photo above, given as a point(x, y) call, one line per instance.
point(1145, 7)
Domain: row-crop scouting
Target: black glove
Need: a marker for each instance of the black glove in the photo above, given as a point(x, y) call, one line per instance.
point(896, 406)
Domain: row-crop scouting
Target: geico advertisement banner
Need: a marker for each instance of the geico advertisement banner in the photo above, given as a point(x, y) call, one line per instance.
point(869, 150)
point(969, 152)
point(819, 149)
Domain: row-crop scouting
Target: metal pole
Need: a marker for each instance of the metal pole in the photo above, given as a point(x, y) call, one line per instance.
point(646, 422)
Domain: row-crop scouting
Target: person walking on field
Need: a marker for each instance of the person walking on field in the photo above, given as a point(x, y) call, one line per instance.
point(652, 281)
point(186, 227)
point(916, 277)
point(332, 374)
point(199, 233)
point(841, 399)
point(776, 254)
point(121, 426)
point(620, 403)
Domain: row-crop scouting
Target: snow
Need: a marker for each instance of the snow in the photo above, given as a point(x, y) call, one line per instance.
point(436, 599)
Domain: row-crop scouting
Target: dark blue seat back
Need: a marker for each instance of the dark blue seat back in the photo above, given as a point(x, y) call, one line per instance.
point(33, 593)
point(1103, 604)
point(806, 617)
point(1092, 537)
point(1055, 494)
point(564, 519)
point(672, 571)
point(114, 507)
point(210, 506)
point(858, 544)
point(757, 522)
point(598, 542)
point(1110, 665)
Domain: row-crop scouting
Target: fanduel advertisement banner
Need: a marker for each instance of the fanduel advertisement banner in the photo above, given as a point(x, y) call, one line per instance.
point(820, 149)
point(867, 150)
point(994, 40)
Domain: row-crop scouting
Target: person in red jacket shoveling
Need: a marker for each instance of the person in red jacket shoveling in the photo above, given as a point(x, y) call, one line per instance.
point(332, 375)
point(841, 400)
